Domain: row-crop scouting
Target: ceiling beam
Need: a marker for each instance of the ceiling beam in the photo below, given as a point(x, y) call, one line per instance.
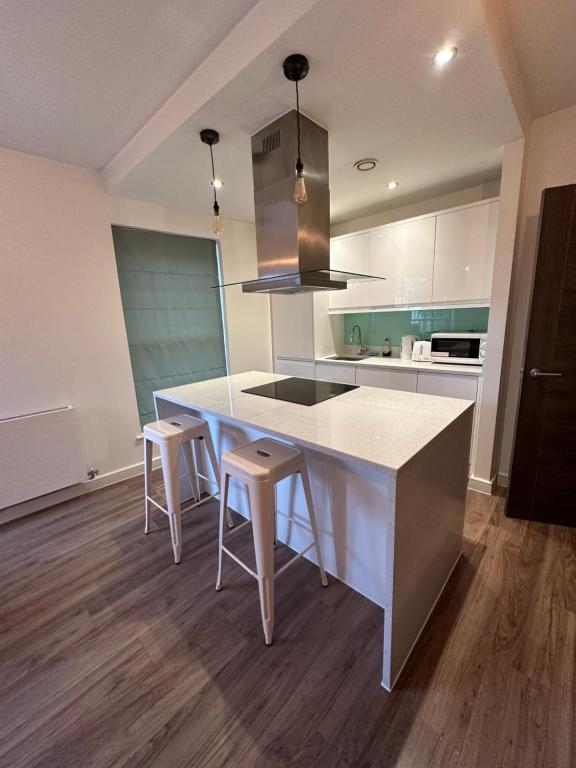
point(261, 26)
point(499, 34)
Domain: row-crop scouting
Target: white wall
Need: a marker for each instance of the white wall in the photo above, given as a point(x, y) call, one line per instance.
point(550, 162)
point(62, 337)
point(62, 333)
point(419, 208)
point(485, 464)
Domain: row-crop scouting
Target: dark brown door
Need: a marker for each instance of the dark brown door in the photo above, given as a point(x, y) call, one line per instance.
point(543, 481)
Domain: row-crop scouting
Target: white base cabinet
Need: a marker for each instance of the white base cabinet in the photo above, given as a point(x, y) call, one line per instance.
point(406, 381)
point(424, 382)
point(464, 387)
point(341, 374)
point(447, 385)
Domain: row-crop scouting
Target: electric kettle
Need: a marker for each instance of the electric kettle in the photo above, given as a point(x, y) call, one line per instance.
point(421, 352)
point(407, 347)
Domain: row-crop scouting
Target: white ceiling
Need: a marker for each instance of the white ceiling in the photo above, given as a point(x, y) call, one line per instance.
point(78, 79)
point(543, 36)
point(374, 86)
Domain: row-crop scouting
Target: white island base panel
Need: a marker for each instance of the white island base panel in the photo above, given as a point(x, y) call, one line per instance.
point(393, 535)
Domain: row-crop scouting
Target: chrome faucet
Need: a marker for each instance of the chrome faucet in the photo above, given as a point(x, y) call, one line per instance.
point(360, 348)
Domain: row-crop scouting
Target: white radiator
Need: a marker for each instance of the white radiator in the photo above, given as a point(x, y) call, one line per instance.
point(39, 453)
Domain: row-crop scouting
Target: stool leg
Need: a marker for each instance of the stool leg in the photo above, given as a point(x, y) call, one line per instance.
point(148, 448)
point(312, 516)
point(275, 519)
point(223, 508)
point(213, 460)
point(169, 454)
point(191, 469)
point(262, 506)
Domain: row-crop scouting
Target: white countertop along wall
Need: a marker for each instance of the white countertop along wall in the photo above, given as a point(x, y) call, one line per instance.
point(408, 365)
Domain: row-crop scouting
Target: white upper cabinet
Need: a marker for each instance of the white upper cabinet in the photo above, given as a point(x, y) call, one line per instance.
point(351, 253)
point(464, 254)
point(404, 254)
point(444, 258)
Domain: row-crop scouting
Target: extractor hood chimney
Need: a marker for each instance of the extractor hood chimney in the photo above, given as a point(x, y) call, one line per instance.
point(293, 240)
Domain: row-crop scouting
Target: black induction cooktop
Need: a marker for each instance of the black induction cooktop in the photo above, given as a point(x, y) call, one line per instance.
point(301, 391)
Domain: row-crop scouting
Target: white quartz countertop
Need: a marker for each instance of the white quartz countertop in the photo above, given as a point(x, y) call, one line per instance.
point(408, 365)
point(381, 428)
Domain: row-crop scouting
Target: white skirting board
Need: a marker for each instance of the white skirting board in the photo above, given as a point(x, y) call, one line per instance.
point(488, 487)
point(481, 485)
point(43, 502)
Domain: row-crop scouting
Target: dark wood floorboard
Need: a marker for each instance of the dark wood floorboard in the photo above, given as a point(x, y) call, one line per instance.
point(112, 656)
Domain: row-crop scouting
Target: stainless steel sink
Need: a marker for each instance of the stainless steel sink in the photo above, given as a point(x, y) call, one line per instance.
point(345, 357)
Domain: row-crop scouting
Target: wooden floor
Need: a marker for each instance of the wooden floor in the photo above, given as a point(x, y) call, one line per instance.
point(112, 656)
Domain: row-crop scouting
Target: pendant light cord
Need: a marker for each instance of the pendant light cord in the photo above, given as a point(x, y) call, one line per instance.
point(213, 175)
point(298, 121)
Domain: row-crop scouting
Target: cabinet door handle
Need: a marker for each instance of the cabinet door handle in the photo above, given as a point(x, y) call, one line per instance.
point(536, 373)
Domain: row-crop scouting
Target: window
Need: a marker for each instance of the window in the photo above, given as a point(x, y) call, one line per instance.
point(173, 316)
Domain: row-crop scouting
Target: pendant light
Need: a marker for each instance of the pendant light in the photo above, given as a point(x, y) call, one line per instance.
point(295, 69)
point(210, 136)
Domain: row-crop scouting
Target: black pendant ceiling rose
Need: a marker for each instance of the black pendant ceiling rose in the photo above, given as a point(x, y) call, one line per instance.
point(296, 67)
point(211, 137)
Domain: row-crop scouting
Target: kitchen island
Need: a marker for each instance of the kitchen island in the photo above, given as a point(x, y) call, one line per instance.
point(389, 471)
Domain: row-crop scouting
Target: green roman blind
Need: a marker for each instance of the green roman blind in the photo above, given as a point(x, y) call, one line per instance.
point(173, 316)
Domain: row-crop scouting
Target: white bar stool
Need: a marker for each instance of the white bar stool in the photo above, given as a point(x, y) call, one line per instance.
point(172, 435)
point(260, 465)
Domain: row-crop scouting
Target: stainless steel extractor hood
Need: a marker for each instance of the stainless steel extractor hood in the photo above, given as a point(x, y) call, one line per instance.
point(293, 240)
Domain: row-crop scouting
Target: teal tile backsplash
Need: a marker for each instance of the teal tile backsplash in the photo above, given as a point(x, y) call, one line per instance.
point(421, 322)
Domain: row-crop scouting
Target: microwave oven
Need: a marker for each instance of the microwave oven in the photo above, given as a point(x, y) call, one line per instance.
point(458, 348)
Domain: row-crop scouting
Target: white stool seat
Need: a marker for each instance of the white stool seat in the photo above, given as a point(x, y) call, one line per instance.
point(260, 465)
point(180, 428)
point(174, 435)
point(263, 460)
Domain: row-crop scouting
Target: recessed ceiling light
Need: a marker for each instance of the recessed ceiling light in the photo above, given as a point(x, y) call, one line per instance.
point(444, 55)
point(367, 164)
point(217, 183)
point(392, 185)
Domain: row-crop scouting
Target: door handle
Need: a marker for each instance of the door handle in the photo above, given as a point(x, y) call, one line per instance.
point(536, 373)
